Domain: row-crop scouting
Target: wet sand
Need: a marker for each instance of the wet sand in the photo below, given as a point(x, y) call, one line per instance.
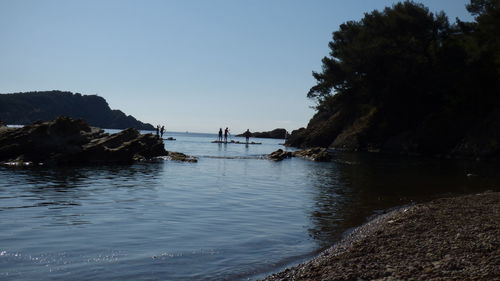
point(446, 239)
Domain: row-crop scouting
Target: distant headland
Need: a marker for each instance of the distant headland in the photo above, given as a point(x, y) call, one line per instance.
point(26, 108)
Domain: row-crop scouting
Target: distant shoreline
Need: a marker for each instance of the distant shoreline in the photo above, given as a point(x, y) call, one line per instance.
point(449, 238)
point(25, 108)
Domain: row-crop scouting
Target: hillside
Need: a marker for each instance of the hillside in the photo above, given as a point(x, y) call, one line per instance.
point(26, 108)
point(404, 80)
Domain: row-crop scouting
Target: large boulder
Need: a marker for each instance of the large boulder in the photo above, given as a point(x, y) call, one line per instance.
point(68, 141)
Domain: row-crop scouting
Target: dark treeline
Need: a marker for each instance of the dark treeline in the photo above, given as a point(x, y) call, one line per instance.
point(407, 80)
point(26, 108)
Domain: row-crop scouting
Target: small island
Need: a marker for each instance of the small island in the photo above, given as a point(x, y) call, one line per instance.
point(279, 133)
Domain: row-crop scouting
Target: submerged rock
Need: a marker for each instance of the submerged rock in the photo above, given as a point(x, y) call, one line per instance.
point(318, 154)
point(177, 156)
point(279, 155)
point(68, 141)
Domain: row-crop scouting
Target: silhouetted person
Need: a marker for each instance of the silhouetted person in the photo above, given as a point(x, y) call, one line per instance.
point(226, 132)
point(220, 134)
point(158, 130)
point(162, 130)
point(247, 135)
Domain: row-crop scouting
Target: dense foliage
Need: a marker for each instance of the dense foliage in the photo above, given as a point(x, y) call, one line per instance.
point(406, 79)
point(26, 108)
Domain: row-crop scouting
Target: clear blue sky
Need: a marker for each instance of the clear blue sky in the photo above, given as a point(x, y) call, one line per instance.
point(194, 65)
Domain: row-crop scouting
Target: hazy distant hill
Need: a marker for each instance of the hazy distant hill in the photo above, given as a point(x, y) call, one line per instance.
point(26, 108)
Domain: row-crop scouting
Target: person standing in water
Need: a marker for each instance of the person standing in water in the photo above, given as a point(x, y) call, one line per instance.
point(220, 135)
point(247, 135)
point(226, 132)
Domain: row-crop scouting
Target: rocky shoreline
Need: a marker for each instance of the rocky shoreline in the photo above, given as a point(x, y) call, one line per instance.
point(446, 239)
point(66, 141)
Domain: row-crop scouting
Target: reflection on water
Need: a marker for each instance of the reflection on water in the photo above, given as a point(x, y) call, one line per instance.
point(63, 188)
point(231, 216)
point(359, 185)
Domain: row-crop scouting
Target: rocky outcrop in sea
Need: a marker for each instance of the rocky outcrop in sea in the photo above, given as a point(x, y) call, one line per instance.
point(279, 133)
point(66, 141)
point(318, 154)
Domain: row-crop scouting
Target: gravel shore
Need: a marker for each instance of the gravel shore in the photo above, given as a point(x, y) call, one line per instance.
point(445, 239)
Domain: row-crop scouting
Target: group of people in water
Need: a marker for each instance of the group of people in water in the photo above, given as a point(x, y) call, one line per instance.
point(160, 130)
point(226, 133)
point(247, 135)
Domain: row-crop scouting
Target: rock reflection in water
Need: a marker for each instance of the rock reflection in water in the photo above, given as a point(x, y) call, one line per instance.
point(53, 189)
point(356, 186)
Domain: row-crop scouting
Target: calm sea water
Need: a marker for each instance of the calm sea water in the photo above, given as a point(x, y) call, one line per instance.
point(231, 216)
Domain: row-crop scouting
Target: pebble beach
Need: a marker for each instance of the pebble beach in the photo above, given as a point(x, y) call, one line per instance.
point(446, 239)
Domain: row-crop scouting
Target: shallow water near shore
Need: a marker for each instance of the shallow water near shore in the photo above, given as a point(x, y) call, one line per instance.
point(232, 216)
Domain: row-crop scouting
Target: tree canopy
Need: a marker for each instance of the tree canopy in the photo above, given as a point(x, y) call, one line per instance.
point(381, 52)
point(378, 57)
point(407, 71)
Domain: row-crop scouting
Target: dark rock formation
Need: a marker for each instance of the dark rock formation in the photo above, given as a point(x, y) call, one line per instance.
point(279, 155)
point(274, 134)
point(439, 135)
point(317, 154)
point(26, 108)
point(177, 156)
point(67, 141)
